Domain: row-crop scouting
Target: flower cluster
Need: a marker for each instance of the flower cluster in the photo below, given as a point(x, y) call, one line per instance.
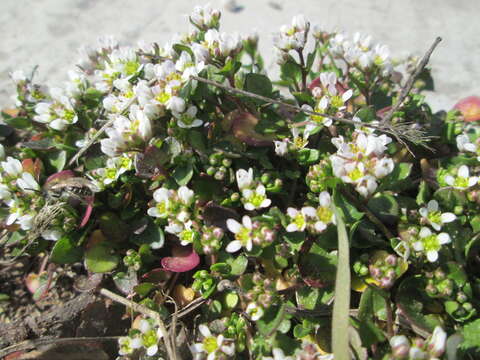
point(314, 220)
point(248, 194)
point(253, 193)
point(361, 162)
point(146, 338)
point(432, 348)
point(360, 51)
point(176, 207)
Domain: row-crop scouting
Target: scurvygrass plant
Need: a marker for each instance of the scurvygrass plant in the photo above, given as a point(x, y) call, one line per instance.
point(265, 216)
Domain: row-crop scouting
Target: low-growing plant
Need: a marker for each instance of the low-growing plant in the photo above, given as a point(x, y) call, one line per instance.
point(329, 213)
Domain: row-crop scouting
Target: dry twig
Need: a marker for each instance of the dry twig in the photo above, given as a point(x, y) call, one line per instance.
point(411, 80)
point(171, 351)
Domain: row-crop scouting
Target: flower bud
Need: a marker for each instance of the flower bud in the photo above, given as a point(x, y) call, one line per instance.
point(400, 346)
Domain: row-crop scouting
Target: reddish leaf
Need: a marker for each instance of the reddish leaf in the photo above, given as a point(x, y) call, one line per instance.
point(469, 107)
point(184, 259)
point(60, 176)
point(243, 127)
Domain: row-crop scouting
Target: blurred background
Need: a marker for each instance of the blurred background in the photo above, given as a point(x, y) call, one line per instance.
point(48, 32)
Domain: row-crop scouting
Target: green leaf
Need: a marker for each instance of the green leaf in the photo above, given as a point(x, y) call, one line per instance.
point(197, 140)
point(183, 174)
point(258, 84)
point(238, 265)
point(17, 122)
point(57, 159)
point(448, 198)
point(397, 178)
point(310, 60)
point(271, 319)
point(349, 212)
point(471, 336)
point(412, 301)
point(341, 306)
point(65, 251)
point(101, 258)
point(179, 48)
point(113, 228)
point(385, 207)
point(308, 156)
point(230, 68)
point(294, 239)
point(152, 235)
point(144, 288)
point(423, 193)
point(366, 114)
point(290, 70)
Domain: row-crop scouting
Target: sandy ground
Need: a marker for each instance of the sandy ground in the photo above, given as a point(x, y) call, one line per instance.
point(48, 32)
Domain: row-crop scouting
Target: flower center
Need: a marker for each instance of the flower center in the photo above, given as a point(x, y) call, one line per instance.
point(430, 243)
point(324, 214)
point(210, 344)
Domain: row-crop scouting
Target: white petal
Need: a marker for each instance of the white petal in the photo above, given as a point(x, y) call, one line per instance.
point(324, 198)
point(136, 343)
point(449, 180)
point(432, 255)
point(320, 226)
point(153, 211)
point(247, 222)
point(265, 203)
point(152, 350)
point(463, 171)
point(204, 330)
point(423, 212)
point(432, 206)
point(292, 227)
point(144, 326)
point(234, 246)
point(249, 206)
point(160, 195)
point(347, 95)
point(472, 181)
point(444, 238)
point(292, 212)
point(448, 217)
point(424, 232)
point(309, 211)
point(417, 246)
point(233, 225)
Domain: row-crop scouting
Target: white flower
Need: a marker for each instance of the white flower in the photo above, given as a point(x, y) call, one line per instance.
point(18, 76)
point(255, 311)
point(432, 215)
point(430, 243)
point(243, 234)
point(299, 219)
point(464, 144)
point(300, 23)
point(437, 343)
point(244, 178)
point(27, 183)
point(211, 345)
point(162, 197)
point(324, 214)
point(255, 199)
point(188, 118)
point(176, 104)
point(186, 195)
point(12, 167)
point(278, 354)
point(463, 180)
point(281, 148)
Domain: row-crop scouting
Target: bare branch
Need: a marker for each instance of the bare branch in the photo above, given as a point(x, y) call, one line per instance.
point(411, 80)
